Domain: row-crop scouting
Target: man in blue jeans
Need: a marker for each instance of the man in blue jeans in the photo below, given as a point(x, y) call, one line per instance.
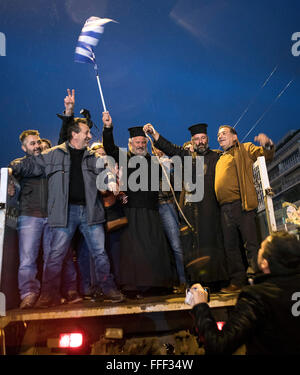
point(73, 201)
point(170, 220)
point(33, 227)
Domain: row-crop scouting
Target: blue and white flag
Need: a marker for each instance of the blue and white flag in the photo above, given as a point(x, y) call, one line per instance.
point(89, 38)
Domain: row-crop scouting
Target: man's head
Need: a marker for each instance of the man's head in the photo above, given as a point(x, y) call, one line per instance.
point(199, 137)
point(200, 142)
point(79, 134)
point(46, 144)
point(279, 254)
point(227, 136)
point(138, 145)
point(137, 142)
point(31, 142)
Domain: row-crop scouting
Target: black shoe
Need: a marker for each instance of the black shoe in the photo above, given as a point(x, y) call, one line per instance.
point(29, 301)
point(46, 301)
point(181, 289)
point(114, 296)
point(73, 297)
point(231, 289)
point(97, 297)
point(87, 297)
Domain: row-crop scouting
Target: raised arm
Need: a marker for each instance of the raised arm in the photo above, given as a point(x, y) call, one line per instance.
point(108, 138)
point(265, 149)
point(68, 117)
point(163, 144)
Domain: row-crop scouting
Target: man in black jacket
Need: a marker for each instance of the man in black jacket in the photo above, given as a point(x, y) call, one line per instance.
point(203, 214)
point(267, 315)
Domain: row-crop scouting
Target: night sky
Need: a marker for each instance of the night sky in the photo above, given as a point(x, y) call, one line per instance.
point(172, 63)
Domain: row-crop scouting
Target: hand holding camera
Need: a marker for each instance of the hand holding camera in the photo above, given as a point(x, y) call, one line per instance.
point(197, 294)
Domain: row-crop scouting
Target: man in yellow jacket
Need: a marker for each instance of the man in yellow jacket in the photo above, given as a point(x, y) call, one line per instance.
point(236, 194)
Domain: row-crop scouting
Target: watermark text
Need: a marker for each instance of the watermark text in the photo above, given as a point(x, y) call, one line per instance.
point(296, 45)
point(140, 173)
point(296, 305)
point(2, 44)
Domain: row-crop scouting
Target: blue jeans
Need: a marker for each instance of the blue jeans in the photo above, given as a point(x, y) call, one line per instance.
point(31, 231)
point(170, 223)
point(87, 279)
point(61, 239)
point(86, 265)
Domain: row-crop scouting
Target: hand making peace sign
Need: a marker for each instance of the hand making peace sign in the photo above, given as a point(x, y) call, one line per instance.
point(69, 102)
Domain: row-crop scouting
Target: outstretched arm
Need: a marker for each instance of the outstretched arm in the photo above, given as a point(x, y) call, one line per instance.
point(241, 325)
point(31, 166)
point(265, 149)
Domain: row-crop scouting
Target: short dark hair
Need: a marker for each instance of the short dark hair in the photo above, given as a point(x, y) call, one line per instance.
point(232, 130)
point(282, 251)
point(75, 126)
point(47, 141)
point(26, 133)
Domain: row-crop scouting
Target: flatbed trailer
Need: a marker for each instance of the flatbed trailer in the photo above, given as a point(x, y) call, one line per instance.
point(154, 325)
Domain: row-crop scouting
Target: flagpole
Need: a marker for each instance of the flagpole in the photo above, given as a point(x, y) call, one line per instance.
point(98, 81)
point(100, 90)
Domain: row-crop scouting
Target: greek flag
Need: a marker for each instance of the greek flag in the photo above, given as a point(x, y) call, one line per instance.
point(89, 38)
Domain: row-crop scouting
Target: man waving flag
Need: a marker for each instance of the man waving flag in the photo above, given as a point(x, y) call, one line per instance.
point(89, 38)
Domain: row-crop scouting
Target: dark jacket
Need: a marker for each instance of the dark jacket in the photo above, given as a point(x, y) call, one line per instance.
point(33, 195)
point(55, 165)
point(263, 319)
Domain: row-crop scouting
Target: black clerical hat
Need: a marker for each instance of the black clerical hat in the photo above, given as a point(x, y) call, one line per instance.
point(136, 131)
point(198, 128)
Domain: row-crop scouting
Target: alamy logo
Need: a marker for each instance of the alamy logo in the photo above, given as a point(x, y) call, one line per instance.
point(138, 180)
point(296, 46)
point(296, 305)
point(2, 44)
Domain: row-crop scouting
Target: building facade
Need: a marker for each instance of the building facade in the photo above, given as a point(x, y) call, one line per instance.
point(284, 176)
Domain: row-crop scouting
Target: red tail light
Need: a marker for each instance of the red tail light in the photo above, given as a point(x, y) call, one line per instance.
point(70, 340)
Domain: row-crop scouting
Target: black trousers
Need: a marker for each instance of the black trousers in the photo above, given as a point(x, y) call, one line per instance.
point(237, 224)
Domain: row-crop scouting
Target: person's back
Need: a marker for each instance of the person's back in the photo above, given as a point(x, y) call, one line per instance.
point(277, 330)
point(266, 317)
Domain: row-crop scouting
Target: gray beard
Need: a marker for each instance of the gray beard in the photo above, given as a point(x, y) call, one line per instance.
point(144, 153)
point(203, 150)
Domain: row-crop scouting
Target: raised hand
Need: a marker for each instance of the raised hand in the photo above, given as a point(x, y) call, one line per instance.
point(149, 129)
point(69, 102)
point(263, 140)
point(107, 120)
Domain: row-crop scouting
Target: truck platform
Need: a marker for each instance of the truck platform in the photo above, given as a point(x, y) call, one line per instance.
point(149, 325)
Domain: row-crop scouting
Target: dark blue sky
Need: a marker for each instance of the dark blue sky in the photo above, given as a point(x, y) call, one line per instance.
point(169, 62)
